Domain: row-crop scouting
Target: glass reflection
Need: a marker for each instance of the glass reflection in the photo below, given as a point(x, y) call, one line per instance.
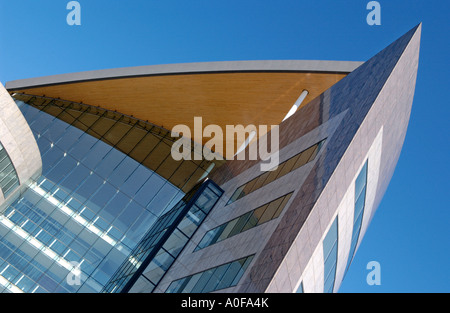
point(84, 208)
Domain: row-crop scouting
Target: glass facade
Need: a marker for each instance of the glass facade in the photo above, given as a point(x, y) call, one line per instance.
point(284, 168)
point(217, 278)
point(146, 143)
point(74, 226)
point(300, 288)
point(330, 253)
point(360, 203)
point(159, 248)
point(251, 219)
point(8, 175)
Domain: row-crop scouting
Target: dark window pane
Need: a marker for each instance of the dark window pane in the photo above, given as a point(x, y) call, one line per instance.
point(288, 166)
point(215, 278)
point(191, 283)
point(240, 224)
point(227, 230)
point(248, 186)
point(304, 157)
point(251, 222)
point(175, 243)
point(204, 278)
point(229, 275)
point(260, 181)
point(282, 205)
point(270, 211)
point(244, 264)
point(236, 194)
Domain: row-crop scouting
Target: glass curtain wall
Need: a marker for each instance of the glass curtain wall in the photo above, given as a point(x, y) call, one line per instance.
point(148, 144)
point(159, 248)
point(74, 226)
point(8, 175)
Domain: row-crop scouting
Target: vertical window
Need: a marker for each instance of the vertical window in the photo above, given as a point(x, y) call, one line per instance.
point(330, 249)
point(9, 180)
point(360, 203)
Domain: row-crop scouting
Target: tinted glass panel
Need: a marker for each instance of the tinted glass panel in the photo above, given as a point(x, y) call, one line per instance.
point(360, 202)
point(330, 248)
point(156, 252)
point(284, 168)
point(75, 211)
point(9, 180)
point(244, 222)
point(221, 277)
point(300, 288)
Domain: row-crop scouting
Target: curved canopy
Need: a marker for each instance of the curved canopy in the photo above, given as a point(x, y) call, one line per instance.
point(222, 93)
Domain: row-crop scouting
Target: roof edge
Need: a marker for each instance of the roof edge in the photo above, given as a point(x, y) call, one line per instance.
point(188, 68)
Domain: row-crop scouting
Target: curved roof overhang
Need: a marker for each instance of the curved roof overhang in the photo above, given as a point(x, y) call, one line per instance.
point(222, 93)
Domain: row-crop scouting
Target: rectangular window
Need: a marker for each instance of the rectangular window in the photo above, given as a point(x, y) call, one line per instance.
point(217, 278)
point(9, 180)
point(283, 169)
point(251, 219)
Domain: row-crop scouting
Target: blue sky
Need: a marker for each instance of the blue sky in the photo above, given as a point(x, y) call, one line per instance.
point(409, 235)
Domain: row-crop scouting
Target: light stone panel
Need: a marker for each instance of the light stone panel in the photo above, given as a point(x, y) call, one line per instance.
point(18, 141)
point(383, 156)
point(392, 115)
point(378, 94)
point(312, 277)
point(253, 240)
point(345, 233)
point(361, 90)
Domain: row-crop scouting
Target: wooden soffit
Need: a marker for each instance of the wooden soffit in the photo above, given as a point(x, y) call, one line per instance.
point(167, 99)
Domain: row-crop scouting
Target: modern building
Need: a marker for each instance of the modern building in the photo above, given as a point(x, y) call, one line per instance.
point(91, 199)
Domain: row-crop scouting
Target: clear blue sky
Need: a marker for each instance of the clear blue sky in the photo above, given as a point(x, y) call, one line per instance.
point(409, 235)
